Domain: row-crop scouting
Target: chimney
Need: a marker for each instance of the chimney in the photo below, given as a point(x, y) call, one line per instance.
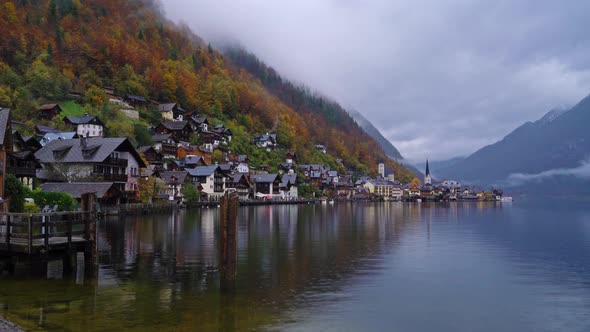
point(84, 141)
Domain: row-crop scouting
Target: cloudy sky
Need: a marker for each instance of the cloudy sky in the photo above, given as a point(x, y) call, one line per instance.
point(439, 78)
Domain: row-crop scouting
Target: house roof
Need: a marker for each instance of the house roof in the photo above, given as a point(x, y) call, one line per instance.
point(77, 189)
point(45, 129)
point(162, 137)
point(202, 170)
point(169, 177)
point(48, 107)
point(136, 98)
point(48, 137)
point(4, 118)
point(263, 178)
point(192, 160)
point(199, 119)
point(242, 158)
point(174, 125)
point(166, 107)
point(86, 119)
point(143, 149)
point(73, 151)
point(288, 179)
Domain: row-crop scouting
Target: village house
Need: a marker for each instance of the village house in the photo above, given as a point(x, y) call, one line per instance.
point(288, 187)
point(265, 185)
point(40, 130)
point(211, 140)
point(151, 155)
point(199, 123)
point(135, 101)
point(210, 180)
point(224, 132)
point(107, 193)
point(175, 181)
point(92, 159)
point(267, 141)
point(5, 145)
point(87, 126)
point(321, 148)
point(180, 129)
point(21, 160)
point(239, 183)
point(171, 111)
point(49, 111)
point(242, 168)
point(166, 144)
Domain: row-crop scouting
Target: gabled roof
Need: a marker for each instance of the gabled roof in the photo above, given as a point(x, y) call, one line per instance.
point(193, 160)
point(199, 119)
point(45, 129)
point(162, 137)
point(4, 122)
point(86, 119)
point(166, 107)
point(263, 178)
point(48, 107)
point(77, 189)
point(202, 170)
point(175, 125)
point(288, 179)
point(96, 149)
point(169, 177)
point(136, 98)
point(53, 136)
point(144, 149)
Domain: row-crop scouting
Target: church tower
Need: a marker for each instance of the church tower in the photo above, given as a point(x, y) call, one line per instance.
point(427, 177)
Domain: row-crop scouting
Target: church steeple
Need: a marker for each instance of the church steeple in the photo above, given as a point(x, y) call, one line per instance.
point(427, 177)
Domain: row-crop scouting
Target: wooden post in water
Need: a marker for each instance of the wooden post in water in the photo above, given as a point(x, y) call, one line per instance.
point(89, 216)
point(229, 229)
point(228, 269)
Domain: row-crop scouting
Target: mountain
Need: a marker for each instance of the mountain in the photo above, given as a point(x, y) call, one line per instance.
point(67, 51)
point(312, 104)
point(368, 127)
point(553, 149)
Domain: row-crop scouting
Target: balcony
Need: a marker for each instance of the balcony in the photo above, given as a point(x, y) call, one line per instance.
point(110, 161)
point(111, 177)
point(22, 171)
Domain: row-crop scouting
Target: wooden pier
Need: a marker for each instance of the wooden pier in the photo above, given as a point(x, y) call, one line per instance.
point(36, 238)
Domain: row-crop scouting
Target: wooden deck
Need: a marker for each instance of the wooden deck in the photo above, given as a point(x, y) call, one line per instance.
point(46, 233)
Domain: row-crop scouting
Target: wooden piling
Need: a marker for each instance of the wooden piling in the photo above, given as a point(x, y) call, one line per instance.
point(229, 229)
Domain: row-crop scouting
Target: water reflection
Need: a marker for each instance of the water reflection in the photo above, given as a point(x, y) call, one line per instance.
point(299, 266)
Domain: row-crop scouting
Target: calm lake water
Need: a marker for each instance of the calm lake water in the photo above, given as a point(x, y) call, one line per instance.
point(524, 266)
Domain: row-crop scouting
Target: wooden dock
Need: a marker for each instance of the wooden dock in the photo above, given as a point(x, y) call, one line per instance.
point(46, 233)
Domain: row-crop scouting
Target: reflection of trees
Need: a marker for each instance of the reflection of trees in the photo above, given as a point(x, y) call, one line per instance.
point(161, 271)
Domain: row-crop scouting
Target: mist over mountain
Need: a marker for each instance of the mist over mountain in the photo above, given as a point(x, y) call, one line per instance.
point(552, 150)
point(370, 129)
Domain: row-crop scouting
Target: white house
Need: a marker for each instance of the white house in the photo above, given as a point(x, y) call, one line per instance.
point(85, 126)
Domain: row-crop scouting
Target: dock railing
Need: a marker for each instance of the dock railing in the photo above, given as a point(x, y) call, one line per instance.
point(41, 233)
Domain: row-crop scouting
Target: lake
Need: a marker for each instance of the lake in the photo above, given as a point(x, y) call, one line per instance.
point(522, 266)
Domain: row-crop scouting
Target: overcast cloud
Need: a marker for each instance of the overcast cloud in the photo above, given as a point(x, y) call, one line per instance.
point(439, 78)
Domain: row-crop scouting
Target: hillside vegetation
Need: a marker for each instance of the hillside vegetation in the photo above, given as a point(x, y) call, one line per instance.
point(54, 50)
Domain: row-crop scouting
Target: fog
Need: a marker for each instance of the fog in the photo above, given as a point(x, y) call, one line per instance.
point(439, 78)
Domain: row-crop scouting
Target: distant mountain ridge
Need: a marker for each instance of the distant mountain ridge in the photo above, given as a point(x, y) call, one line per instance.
point(559, 141)
point(370, 129)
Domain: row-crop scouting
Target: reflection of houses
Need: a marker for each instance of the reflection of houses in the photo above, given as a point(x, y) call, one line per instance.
point(49, 111)
point(89, 126)
point(106, 192)
point(174, 182)
point(265, 184)
point(180, 129)
point(86, 159)
point(209, 179)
